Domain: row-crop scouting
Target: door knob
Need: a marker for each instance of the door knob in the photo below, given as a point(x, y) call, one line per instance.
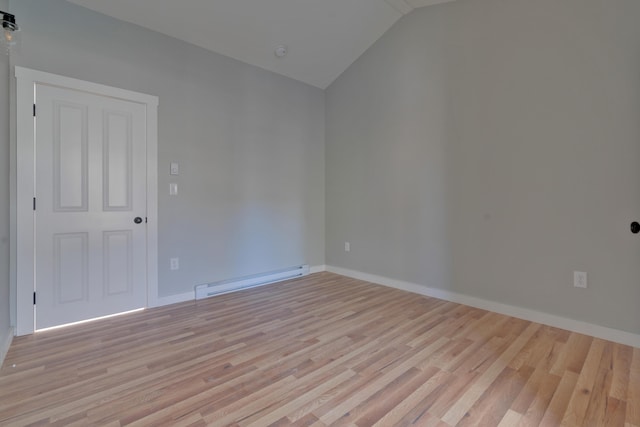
point(635, 227)
point(137, 220)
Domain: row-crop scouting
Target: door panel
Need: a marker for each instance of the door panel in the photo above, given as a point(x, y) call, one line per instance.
point(70, 268)
point(118, 270)
point(70, 167)
point(90, 185)
point(117, 152)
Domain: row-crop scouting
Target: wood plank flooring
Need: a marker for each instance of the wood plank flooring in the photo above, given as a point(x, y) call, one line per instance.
point(318, 351)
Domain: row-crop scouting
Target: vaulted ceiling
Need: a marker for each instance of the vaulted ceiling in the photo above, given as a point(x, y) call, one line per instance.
point(322, 37)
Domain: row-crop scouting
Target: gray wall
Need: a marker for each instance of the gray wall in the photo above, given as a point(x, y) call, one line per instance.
point(488, 147)
point(4, 189)
point(491, 148)
point(250, 143)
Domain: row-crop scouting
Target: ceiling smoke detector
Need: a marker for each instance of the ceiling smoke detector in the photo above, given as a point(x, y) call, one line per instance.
point(281, 51)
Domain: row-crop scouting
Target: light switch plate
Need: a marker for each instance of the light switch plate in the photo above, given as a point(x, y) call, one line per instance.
point(173, 189)
point(174, 168)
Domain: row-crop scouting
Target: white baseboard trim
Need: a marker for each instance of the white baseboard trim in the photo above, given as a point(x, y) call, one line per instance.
point(174, 299)
point(191, 296)
point(578, 326)
point(5, 342)
point(317, 269)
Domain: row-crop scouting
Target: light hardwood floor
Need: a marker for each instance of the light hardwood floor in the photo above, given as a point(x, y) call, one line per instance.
point(321, 350)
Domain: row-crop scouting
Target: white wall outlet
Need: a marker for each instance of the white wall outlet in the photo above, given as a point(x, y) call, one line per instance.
point(174, 263)
point(174, 168)
point(580, 279)
point(173, 189)
point(347, 247)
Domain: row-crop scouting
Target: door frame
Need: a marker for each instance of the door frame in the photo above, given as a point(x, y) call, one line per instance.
point(26, 80)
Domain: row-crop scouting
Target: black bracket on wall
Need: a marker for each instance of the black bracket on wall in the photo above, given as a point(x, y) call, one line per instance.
point(635, 227)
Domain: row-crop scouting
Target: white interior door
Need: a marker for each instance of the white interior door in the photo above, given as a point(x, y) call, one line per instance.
point(90, 216)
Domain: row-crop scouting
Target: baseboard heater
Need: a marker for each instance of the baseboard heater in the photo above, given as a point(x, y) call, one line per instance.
point(207, 290)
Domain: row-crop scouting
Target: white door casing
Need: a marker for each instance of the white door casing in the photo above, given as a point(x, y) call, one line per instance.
point(95, 266)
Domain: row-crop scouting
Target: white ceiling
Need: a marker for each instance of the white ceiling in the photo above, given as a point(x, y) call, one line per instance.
point(323, 37)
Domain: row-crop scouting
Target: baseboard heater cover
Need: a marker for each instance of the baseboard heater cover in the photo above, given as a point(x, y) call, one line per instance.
point(207, 290)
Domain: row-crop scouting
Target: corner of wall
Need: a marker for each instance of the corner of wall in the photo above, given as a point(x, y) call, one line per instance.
point(5, 342)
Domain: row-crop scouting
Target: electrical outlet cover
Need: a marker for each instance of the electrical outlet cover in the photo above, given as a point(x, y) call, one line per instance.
point(580, 279)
